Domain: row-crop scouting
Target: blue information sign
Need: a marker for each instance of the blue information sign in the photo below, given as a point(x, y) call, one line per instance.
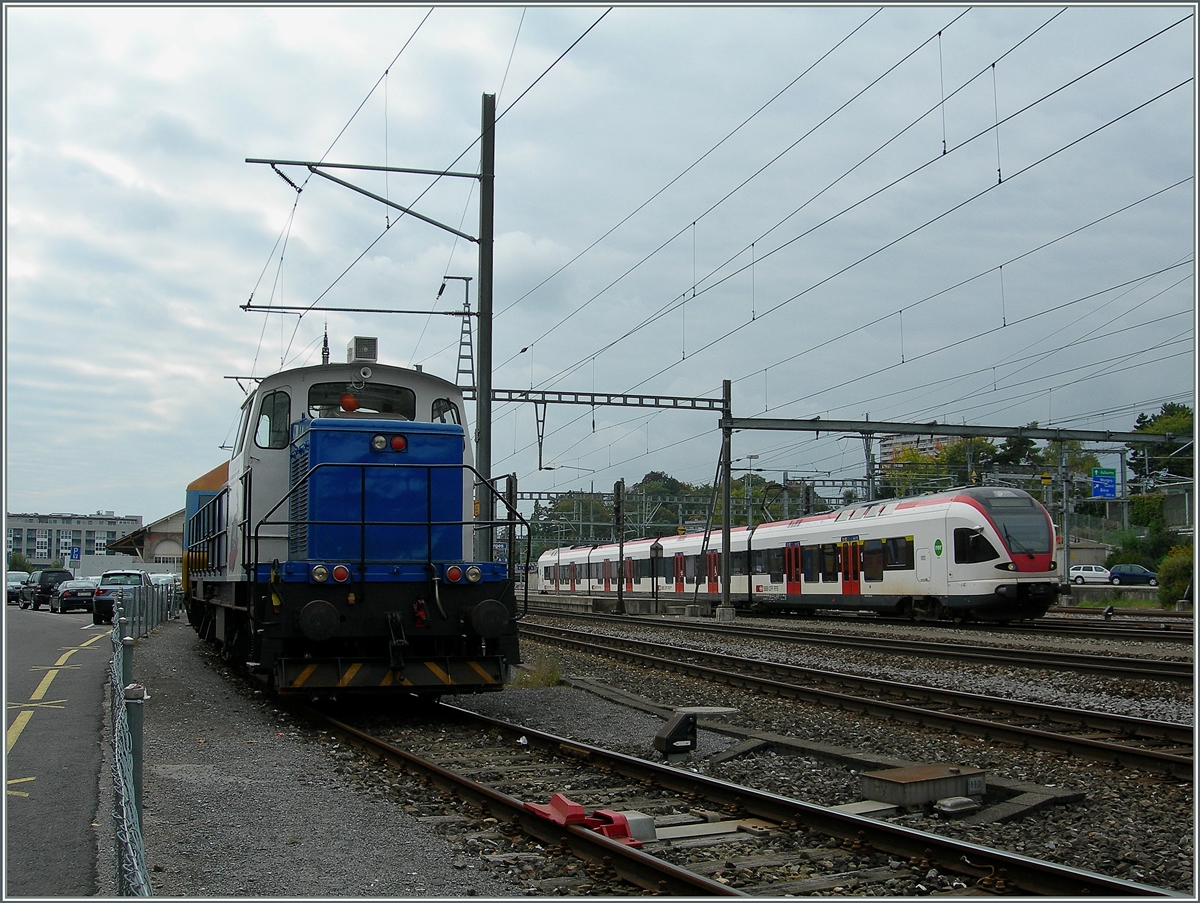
point(1104, 483)
point(75, 553)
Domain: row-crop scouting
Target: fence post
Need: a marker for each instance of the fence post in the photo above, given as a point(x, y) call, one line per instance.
point(126, 660)
point(135, 697)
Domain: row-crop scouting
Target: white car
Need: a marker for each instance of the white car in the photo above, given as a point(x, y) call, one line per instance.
point(1089, 573)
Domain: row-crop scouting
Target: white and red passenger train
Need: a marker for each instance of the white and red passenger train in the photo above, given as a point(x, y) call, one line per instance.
point(978, 553)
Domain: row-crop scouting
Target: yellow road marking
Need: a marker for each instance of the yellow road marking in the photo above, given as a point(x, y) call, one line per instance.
point(48, 704)
point(17, 726)
point(387, 679)
point(94, 639)
point(441, 675)
point(479, 670)
point(21, 780)
point(63, 658)
point(40, 692)
point(304, 675)
point(349, 675)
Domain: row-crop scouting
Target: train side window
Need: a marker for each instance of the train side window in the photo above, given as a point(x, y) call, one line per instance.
point(809, 557)
point(971, 547)
point(898, 554)
point(831, 564)
point(872, 560)
point(774, 565)
point(444, 411)
point(737, 563)
point(274, 417)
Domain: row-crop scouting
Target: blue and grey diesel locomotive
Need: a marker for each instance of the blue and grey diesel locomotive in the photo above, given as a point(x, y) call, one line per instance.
point(978, 553)
point(331, 553)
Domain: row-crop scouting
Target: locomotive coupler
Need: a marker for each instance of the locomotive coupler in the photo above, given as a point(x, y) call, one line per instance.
point(398, 642)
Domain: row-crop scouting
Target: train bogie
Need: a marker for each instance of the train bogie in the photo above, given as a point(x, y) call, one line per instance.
point(981, 553)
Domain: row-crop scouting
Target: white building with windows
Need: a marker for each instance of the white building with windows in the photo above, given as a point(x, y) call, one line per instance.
point(45, 538)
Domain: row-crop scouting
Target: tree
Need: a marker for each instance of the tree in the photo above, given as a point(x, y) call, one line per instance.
point(1018, 451)
point(965, 459)
point(18, 562)
point(1153, 462)
point(1175, 574)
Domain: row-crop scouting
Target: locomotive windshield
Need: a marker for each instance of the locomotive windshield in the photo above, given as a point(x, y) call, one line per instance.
point(1020, 520)
point(371, 400)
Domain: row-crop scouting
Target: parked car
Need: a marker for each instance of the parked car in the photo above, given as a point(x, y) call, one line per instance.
point(41, 586)
point(15, 579)
point(111, 583)
point(1129, 574)
point(164, 579)
point(1088, 573)
point(73, 594)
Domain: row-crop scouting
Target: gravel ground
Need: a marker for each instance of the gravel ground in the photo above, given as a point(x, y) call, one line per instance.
point(240, 799)
point(243, 800)
point(1137, 826)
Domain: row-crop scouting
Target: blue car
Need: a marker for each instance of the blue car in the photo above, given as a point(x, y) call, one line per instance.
point(1131, 574)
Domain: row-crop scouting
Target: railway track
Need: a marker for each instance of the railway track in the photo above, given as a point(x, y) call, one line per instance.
point(1154, 745)
point(683, 833)
point(1139, 668)
point(1132, 624)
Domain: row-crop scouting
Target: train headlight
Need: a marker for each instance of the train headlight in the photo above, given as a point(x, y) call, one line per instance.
point(341, 573)
point(454, 573)
point(379, 443)
point(319, 573)
point(474, 575)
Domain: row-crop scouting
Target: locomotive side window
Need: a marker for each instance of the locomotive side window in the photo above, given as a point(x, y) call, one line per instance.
point(444, 411)
point(241, 437)
point(274, 417)
point(971, 547)
point(831, 564)
point(371, 400)
point(872, 560)
point(898, 554)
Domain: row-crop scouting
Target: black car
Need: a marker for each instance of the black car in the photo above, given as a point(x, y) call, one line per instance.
point(41, 586)
point(73, 594)
point(1129, 574)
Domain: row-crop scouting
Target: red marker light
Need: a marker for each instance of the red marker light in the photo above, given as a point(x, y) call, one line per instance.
point(454, 573)
point(341, 573)
point(399, 443)
point(349, 402)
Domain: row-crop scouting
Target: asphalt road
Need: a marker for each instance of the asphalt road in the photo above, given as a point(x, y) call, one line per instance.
point(55, 669)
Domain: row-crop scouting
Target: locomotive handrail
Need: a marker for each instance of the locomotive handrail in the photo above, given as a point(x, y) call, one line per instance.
point(214, 534)
point(429, 522)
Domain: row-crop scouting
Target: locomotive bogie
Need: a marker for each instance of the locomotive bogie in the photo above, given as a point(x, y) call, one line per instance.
point(981, 553)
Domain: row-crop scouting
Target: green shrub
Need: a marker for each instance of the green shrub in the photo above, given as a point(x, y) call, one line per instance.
point(1174, 574)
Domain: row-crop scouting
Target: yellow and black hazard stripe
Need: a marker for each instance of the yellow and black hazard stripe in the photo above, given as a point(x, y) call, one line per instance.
point(434, 675)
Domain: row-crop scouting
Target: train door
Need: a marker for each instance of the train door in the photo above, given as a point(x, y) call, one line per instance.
point(607, 575)
point(679, 561)
point(924, 565)
point(714, 570)
point(628, 575)
point(571, 575)
point(851, 569)
point(791, 568)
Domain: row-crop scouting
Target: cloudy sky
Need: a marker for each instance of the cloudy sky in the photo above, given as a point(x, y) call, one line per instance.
point(981, 215)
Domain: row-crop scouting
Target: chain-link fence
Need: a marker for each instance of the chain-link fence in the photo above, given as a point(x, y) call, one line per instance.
point(138, 611)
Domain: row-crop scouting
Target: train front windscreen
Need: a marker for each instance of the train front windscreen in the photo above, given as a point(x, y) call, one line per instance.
point(1020, 520)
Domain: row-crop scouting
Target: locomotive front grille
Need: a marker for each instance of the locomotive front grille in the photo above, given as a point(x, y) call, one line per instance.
point(298, 504)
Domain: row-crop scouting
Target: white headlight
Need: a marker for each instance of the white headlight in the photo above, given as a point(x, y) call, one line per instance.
point(320, 573)
point(474, 575)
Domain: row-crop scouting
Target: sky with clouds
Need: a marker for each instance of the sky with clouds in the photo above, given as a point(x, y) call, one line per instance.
point(981, 215)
